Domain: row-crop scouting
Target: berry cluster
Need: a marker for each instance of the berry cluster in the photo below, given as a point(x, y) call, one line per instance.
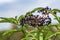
point(36, 20)
point(33, 20)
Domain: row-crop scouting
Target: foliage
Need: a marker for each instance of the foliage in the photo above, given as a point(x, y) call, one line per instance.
point(38, 33)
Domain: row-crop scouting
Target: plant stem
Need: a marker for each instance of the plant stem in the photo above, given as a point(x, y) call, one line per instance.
point(23, 31)
point(41, 36)
point(38, 34)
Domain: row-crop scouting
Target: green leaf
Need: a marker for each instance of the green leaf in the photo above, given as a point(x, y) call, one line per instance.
point(56, 17)
point(36, 9)
point(9, 20)
point(3, 21)
point(57, 10)
point(9, 32)
point(20, 18)
point(28, 13)
point(49, 33)
point(59, 19)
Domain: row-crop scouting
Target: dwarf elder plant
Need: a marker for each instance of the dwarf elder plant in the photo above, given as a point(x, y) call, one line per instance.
point(42, 30)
